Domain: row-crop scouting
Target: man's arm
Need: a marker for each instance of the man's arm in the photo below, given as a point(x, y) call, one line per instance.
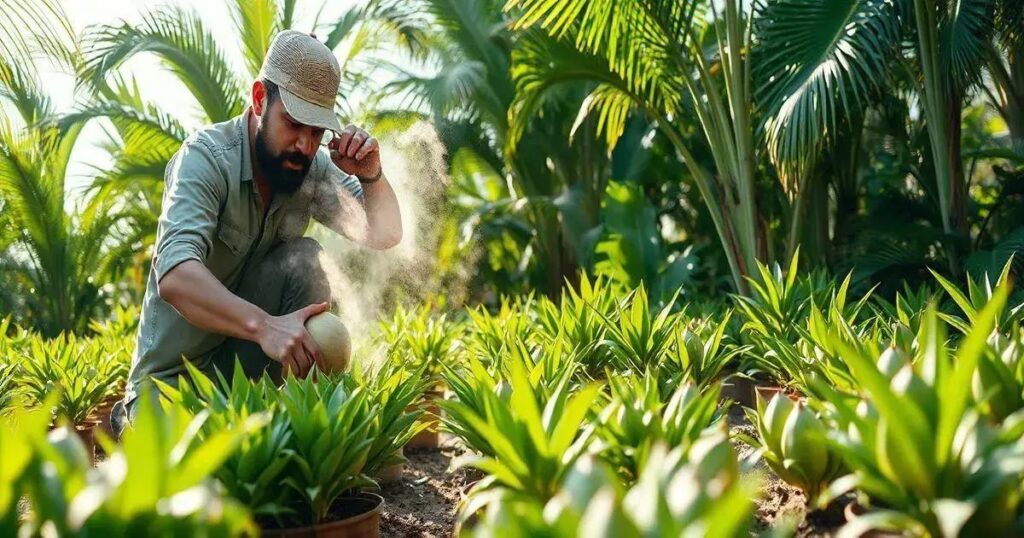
point(377, 223)
point(204, 301)
point(193, 195)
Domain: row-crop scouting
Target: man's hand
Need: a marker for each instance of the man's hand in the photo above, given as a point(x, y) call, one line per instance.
point(355, 152)
point(285, 339)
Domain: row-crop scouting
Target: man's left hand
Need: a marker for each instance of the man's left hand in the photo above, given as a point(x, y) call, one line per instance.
point(355, 152)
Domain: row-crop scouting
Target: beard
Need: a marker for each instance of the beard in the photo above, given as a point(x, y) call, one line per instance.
point(281, 179)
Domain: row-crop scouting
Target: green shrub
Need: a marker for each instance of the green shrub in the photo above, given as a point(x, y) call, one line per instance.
point(157, 483)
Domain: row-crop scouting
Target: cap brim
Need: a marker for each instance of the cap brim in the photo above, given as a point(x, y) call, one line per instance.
point(308, 113)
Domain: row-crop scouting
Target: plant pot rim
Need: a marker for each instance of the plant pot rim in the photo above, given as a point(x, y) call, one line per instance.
point(378, 506)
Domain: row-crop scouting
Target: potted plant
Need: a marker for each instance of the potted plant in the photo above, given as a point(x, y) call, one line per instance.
point(307, 471)
point(395, 389)
point(78, 370)
point(525, 438)
point(919, 452)
point(425, 343)
point(638, 416)
point(157, 483)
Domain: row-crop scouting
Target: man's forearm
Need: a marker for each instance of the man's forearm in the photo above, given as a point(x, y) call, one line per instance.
point(383, 217)
point(205, 303)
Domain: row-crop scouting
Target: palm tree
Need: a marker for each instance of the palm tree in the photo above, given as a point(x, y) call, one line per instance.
point(820, 70)
point(550, 189)
point(679, 61)
point(800, 72)
point(53, 261)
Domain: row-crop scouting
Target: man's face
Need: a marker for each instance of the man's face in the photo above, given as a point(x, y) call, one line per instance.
point(285, 148)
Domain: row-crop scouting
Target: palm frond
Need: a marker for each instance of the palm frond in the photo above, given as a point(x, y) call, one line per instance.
point(256, 22)
point(965, 30)
point(541, 65)
point(818, 61)
point(186, 46)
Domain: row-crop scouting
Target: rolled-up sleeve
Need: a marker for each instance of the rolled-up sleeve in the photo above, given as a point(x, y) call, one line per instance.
point(193, 195)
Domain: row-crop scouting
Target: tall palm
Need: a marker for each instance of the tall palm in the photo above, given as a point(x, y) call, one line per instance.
point(677, 60)
point(820, 69)
point(54, 254)
point(551, 199)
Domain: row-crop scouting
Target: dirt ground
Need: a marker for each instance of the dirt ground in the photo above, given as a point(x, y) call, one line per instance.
point(423, 503)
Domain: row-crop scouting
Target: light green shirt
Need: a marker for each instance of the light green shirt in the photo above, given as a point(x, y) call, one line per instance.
point(211, 212)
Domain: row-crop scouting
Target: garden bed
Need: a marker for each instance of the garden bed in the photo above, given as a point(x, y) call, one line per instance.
point(422, 504)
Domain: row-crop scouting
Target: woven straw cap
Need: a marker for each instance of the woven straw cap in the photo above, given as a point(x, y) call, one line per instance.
point(308, 75)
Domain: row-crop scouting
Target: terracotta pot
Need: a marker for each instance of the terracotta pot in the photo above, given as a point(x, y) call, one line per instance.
point(853, 510)
point(430, 437)
point(361, 519)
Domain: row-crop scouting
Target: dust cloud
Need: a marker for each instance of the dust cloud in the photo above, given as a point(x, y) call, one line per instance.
point(365, 282)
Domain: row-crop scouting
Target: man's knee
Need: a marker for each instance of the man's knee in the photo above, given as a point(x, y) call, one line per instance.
point(300, 255)
point(301, 262)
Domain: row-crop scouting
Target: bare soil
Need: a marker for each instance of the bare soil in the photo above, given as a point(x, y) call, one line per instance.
point(424, 502)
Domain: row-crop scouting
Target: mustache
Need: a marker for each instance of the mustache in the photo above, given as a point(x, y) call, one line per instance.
point(296, 158)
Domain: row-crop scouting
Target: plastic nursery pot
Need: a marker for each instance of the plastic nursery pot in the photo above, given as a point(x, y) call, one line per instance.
point(853, 510)
point(430, 437)
point(359, 517)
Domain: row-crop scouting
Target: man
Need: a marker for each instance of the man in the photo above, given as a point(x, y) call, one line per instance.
point(232, 275)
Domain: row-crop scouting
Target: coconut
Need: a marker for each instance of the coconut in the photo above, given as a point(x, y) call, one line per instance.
point(332, 338)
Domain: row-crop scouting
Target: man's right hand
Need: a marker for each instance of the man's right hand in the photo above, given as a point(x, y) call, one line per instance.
point(285, 339)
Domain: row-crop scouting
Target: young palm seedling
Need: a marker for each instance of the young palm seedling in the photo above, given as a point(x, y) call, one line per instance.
point(916, 447)
point(394, 388)
point(979, 293)
point(638, 417)
point(683, 492)
point(527, 442)
point(792, 440)
point(157, 483)
point(638, 340)
point(578, 321)
point(254, 472)
point(81, 371)
point(489, 334)
point(331, 427)
point(700, 352)
point(998, 384)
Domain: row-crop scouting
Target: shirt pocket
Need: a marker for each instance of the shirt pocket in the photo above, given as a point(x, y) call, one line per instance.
point(236, 241)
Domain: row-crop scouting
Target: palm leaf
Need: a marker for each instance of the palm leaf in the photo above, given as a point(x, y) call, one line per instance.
point(818, 61)
point(186, 46)
point(256, 22)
